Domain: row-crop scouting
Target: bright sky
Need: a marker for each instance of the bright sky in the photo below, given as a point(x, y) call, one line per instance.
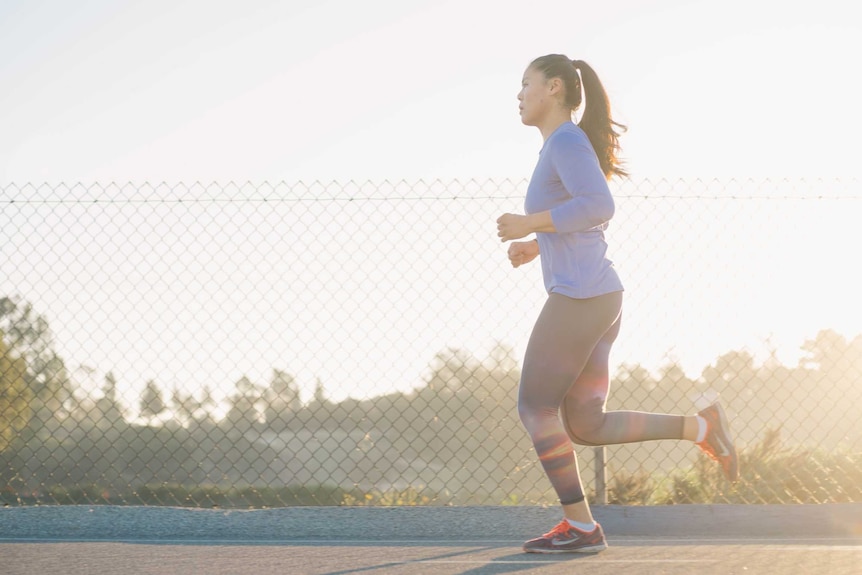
point(261, 90)
point(186, 90)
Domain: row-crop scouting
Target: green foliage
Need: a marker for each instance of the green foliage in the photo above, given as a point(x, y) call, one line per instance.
point(27, 336)
point(152, 402)
point(769, 473)
point(247, 497)
point(401, 497)
point(198, 496)
point(631, 488)
point(696, 485)
point(239, 497)
point(15, 395)
point(458, 434)
point(511, 500)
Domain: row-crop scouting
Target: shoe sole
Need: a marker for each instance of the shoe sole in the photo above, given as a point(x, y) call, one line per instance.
point(589, 549)
point(725, 428)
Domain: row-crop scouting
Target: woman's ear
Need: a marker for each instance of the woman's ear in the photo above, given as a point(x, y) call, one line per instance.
point(555, 85)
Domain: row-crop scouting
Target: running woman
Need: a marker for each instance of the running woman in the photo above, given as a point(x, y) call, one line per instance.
point(565, 376)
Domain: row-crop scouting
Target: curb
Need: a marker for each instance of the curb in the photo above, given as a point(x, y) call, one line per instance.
point(97, 523)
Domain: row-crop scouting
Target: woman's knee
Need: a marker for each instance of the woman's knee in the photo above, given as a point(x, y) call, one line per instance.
point(542, 390)
point(529, 414)
point(584, 420)
point(525, 413)
point(536, 416)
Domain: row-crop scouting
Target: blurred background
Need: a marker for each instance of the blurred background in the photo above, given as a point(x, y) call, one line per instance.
point(248, 251)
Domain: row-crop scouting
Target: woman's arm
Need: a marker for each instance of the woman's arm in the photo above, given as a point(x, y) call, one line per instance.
point(591, 203)
point(580, 173)
point(515, 227)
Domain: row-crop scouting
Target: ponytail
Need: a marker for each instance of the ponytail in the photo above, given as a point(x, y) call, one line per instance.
point(596, 121)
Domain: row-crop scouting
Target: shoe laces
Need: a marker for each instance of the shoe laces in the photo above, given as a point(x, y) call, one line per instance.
point(708, 449)
point(562, 527)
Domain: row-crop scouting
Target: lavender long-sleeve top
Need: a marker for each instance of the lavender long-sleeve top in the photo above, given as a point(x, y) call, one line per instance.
point(568, 180)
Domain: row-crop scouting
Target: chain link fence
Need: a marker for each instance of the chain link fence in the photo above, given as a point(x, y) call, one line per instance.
point(264, 345)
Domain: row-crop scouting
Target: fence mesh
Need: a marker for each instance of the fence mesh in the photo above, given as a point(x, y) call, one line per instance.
point(359, 343)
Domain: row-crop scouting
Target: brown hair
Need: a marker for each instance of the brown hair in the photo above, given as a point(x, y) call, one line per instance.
point(596, 120)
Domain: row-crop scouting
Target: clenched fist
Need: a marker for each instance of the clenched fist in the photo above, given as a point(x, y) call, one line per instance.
point(523, 252)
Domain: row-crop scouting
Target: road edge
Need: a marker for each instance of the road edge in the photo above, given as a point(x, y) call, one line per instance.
point(130, 523)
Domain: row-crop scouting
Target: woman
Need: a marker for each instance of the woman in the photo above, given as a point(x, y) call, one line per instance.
point(565, 381)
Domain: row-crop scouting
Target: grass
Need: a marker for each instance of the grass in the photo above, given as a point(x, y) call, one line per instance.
point(198, 496)
point(770, 473)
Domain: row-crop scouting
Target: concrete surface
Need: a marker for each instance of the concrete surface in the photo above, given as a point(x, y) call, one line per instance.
point(94, 523)
point(702, 539)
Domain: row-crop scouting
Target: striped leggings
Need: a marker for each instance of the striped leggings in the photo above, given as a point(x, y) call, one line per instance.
point(564, 387)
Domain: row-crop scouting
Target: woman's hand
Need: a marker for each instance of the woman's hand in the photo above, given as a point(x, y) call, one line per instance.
point(523, 252)
point(513, 227)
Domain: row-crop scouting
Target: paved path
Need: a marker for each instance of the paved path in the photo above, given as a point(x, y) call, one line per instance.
point(708, 540)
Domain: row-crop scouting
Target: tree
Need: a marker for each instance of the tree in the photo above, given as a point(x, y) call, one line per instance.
point(28, 337)
point(207, 403)
point(185, 406)
point(677, 391)
point(635, 376)
point(108, 404)
point(243, 413)
point(320, 393)
point(15, 395)
point(828, 352)
point(502, 358)
point(152, 403)
point(281, 399)
point(108, 409)
point(452, 369)
point(733, 371)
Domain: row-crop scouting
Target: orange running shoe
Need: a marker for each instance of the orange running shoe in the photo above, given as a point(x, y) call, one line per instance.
point(718, 444)
point(567, 539)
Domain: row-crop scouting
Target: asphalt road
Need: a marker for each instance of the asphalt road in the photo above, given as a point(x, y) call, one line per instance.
point(708, 540)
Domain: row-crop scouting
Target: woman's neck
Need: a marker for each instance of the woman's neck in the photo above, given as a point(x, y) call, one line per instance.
point(554, 121)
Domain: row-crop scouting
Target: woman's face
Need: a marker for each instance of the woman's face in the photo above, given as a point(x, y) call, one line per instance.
point(535, 97)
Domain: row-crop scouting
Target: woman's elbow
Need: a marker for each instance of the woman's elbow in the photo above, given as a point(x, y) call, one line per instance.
point(605, 210)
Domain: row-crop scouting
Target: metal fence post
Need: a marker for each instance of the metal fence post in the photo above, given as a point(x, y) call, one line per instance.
point(601, 482)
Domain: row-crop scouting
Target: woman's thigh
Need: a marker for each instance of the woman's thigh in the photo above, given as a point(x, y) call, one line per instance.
point(593, 383)
point(563, 339)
